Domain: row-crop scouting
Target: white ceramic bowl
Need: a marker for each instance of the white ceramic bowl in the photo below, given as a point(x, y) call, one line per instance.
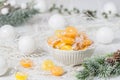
point(71, 57)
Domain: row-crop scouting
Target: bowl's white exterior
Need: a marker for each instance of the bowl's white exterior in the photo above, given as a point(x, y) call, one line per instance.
point(71, 57)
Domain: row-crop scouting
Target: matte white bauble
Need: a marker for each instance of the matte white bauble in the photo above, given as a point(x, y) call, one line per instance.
point(57, 21)
point(3, 66)
point(41, 5)
point(4, 11)
point(23, 6)
point(105, 35)
point(26, 45)
point(110, 7)
point(7, 32)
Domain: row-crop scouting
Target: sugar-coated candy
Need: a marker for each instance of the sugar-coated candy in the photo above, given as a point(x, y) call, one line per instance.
point(71, 32)
point(59, 45)
point(59, 33)
point(47, 65)
point(57, 71)
point(26, 63)
point(53, 40)
point(66, 47)
point(21, 76)
point(67, 40)
point(71, 29)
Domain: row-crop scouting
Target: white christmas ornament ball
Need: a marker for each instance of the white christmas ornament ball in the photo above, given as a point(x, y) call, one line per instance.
point(4, 11)
point(3, 66)
point(41, 5)
point(110, 7)
point(26, 45)
point(57, 21)
point(7, 32)
point(105, 35)
point(23, 6)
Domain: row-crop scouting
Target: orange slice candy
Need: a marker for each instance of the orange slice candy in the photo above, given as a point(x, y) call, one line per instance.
point(83, 35)
point(66, 47)
point(53, 41)
point(71, 32)
point(59, 45)
point(57, 71)
point(87, 42)
point(67, 40)
point(26, 63)
point(47, 65)
point(71, 29)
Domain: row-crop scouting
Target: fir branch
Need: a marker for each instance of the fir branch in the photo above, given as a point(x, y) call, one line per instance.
point(17, 17)
point(90, 14)
point(61, 9)
point(98, 67)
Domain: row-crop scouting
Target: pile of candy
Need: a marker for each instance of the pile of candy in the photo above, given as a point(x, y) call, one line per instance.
point(69, 39)
point(49, 65)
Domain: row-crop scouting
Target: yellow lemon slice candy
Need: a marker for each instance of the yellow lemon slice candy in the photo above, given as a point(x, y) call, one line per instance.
point(21, 76)
point(66, 47)
point(47, 65)
point(59, 45)
point(67, 40)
